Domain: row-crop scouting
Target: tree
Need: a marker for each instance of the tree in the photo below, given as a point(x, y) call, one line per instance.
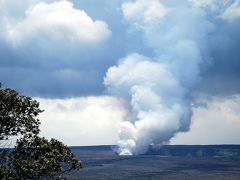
point(33, 156)
point(36, 157)
point(17, 114)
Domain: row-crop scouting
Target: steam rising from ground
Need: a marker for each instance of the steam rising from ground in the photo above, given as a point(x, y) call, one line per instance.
point(156, 89)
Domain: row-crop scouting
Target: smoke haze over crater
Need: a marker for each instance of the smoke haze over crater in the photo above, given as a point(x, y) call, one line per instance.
point(162, 58)
point(157, 88)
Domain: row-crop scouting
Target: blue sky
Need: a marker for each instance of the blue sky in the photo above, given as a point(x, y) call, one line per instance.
point(128, 57)
point(42, 65)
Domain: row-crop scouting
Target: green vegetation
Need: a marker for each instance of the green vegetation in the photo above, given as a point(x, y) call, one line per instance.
point(17, 114)
point(33, 157)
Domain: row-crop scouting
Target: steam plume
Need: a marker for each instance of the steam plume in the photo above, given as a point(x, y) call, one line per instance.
point(156, 88)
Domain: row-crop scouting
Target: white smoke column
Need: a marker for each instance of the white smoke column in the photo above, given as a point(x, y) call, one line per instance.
point(156, 88)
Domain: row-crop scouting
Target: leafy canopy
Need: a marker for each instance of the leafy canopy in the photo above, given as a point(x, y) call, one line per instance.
point(36, 157)
point(33, 157)
point(17, 114)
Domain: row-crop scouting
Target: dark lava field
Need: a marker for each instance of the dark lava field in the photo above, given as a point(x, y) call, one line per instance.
point(213, 162)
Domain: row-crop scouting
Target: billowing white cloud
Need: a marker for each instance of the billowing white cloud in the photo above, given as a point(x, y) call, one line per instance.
point(57, 21)
point(199, 3)
point(177, 41)
point(213, 4)
point(232, 12)
point(137, 70)
point(225, 9)
point(157, 87)
point(82, 121)
point(144, 13)
point(17, 8)
point(216, 123)
point(156, 100)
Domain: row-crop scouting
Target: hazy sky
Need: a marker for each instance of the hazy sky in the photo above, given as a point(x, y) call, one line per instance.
point(73, 56)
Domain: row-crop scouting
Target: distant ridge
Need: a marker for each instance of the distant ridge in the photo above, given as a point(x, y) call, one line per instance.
point(94, 148)
point(195, 150)
point(176, 150)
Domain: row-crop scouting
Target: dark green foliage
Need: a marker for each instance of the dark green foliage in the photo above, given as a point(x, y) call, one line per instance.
point(33, 157)
point(17, 114)
point(4, 168)
point(36, 157)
